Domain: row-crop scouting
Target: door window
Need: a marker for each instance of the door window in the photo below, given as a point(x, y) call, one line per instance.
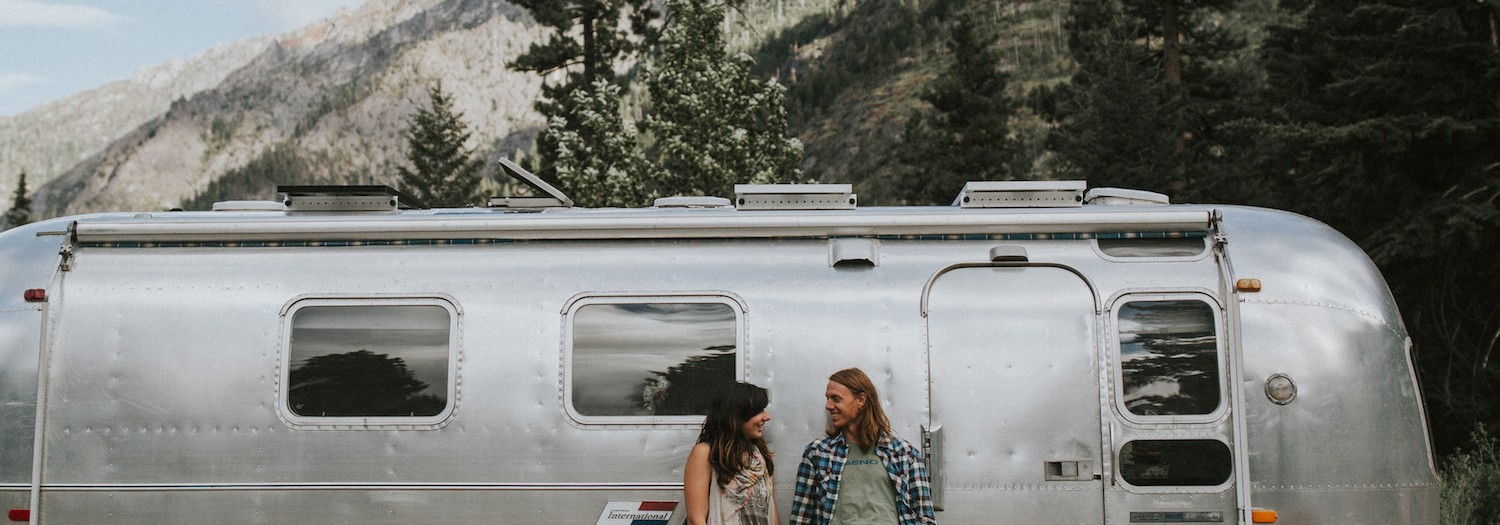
point(1169, 358)
point(1181, 462)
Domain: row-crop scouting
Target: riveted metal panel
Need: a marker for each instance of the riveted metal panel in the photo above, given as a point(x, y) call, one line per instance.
point(1016, 392)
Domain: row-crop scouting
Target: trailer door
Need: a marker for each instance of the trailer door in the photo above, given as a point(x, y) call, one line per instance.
point(1171, 434)
point(1015, 434)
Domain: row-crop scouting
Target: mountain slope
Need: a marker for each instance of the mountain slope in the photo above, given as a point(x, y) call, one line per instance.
point(336, 94)
point(329, 103)
point(53, 137)
point(856, 76)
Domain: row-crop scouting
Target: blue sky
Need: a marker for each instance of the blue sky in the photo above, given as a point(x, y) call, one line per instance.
point(52, 49)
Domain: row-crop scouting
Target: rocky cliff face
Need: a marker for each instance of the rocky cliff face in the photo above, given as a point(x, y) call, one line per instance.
point(49, 139)
point(338, 92)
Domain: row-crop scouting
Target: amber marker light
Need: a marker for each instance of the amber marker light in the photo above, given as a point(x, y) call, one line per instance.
point(1247, 285)
point(1262, 516)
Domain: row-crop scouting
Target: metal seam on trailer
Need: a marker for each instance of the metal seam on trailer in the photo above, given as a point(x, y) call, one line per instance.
point(162, 487)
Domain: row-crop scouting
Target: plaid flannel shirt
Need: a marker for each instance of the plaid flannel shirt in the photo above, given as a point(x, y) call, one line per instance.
point(823, 465)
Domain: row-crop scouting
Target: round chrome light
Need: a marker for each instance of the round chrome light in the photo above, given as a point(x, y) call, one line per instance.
point(1280, 389)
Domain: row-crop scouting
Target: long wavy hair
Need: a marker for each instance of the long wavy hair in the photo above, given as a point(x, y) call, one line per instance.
point(723, 430)
point(870, 422)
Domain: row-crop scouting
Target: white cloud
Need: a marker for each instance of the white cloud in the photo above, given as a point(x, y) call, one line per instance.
point(9, 81)
point(292, 14)
point(37, 14)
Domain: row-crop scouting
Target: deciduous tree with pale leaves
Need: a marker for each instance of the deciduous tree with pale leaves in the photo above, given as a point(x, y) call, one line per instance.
point(598, 162)
point(589, 37)
point(713, 123)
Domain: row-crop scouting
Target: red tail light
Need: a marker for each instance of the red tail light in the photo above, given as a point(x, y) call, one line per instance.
point(20, 514)
point(36, 295)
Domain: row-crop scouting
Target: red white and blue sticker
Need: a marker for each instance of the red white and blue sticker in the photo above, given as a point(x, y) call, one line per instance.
point(637, 513)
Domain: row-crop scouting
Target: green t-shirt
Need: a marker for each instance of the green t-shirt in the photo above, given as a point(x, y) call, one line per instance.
point(866, 496)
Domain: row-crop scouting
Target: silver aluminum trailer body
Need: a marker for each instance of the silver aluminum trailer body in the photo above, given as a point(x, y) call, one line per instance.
point(1096, 364)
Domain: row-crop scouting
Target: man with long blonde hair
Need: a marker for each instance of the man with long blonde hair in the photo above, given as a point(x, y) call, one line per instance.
point(861, 473)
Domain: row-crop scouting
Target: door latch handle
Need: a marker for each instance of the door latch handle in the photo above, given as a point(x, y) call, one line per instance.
point(1070, 470)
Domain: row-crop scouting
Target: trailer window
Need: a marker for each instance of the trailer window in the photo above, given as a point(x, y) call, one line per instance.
point(649, 359)
point(1160, 462)
point(1153, 248)
point(391, 362)
point(1169, 357)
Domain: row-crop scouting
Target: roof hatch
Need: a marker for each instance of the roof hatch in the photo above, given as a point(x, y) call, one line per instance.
point(543, 195)
point(1119, 196)
point(690, 202)
point(794, 197)
point(1021, 194)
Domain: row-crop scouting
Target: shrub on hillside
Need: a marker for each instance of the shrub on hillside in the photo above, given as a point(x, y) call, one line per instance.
point(1471, 482)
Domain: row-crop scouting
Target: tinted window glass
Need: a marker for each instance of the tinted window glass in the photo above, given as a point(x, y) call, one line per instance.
point(651, 359)
point(1169, 363)
point(1167, 247)
point(368, 361)
point(1150, 463)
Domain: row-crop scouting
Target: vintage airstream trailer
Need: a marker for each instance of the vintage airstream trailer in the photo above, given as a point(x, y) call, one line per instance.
point(1062, 354)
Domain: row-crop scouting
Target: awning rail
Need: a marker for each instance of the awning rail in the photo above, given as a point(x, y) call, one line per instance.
point(163, 228)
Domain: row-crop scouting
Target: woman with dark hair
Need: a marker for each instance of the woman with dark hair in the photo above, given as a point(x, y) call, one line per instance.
point(860, 473)
point(727, 480)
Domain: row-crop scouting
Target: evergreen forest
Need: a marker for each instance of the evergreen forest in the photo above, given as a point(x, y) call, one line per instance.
point(1380, 118)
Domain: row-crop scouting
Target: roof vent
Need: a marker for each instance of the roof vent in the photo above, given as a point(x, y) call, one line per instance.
point(1021, 194)
point(691, 202)
point(794, 197)
point(547, 196)
point(249, 206)
point(341, 198)
point(1117, 196)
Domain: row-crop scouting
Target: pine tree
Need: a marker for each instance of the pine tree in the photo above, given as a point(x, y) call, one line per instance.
point(445, 172)
point(1191, 45)
point(714, 124)
point(1157, 86)
point(20, 207)
point(586, 42)
point(1113, 127)
point(598, 162)
point(966, 135)
point(1176, 24)
point(1389, 130)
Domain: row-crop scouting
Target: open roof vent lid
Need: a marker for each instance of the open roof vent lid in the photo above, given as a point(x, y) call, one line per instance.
point(1118, 196)
point(795, 197)
point(543, 195)
point(342, 198)
point(1021, 194)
